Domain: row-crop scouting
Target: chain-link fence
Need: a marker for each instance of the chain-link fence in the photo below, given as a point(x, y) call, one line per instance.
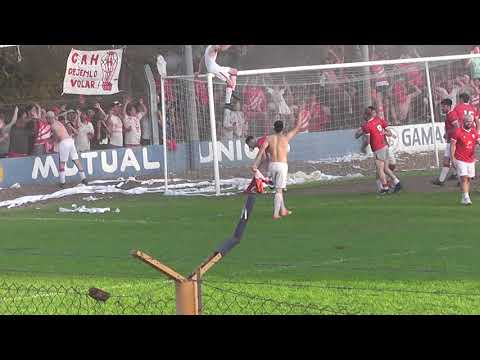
point(157, 297)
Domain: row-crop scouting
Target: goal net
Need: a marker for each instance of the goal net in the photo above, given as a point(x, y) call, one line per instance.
point(335, 100)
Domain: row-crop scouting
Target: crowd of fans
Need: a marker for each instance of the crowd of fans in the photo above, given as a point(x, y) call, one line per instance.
point(330, 99)
point(92, 126)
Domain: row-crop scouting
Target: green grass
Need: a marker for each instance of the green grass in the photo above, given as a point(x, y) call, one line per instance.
point(338, 254)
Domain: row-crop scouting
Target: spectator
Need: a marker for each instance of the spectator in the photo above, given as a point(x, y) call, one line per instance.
point(279, 105)
point(449, 90)
point(170, 129)
point(146, 128)
point(402, 101)
point(115, 126)
point(21, 136)
point(320, 115)
point(42, 143)
point(5, 132)
point(131, 122)
point(102, 131)
point(84, 133)
point(234, 123)
point(254, 107)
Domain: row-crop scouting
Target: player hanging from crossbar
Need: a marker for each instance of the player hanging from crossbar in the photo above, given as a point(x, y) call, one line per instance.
point(227, 74)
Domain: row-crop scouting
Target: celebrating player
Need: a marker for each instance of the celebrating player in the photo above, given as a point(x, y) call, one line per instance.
point(277, 147)
point(258, 178)
point(451, 124)
point(66, 148)
point(375, 130)
point(227, 74)
point(465, 108)
point(462, 152)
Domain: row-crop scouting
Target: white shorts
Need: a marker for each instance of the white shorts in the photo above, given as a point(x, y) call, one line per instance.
point(447, 151)
point(465, 169)
point(66, 149)
point(220, 72)
point(391, 156)
point(279, 173)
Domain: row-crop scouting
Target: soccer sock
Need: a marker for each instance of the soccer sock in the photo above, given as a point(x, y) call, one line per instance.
point(228, 97)
point(395, 180)
point(252, 185)
point(379, 185)
point(82, 174)
point(443, 174)
point(277, 202)
point(62, 176)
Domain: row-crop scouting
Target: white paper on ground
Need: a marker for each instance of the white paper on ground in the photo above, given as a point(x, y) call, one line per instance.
point(203, 188)
point(84, 209)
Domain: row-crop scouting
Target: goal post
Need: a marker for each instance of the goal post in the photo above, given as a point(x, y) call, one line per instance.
point(407, 92)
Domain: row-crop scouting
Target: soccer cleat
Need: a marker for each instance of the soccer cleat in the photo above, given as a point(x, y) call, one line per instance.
point(384, 191)
point(397, 188)
point(286, 213)
point(276, 217)
point(466, 201)
point(270, 184)
point(438, 182)
point(84, 182)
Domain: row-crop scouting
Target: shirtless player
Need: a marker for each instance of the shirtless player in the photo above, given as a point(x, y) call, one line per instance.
point(277, 147)
point(227, 74)
point(66, 148)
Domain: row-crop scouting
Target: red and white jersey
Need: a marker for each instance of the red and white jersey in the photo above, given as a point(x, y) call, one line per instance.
point(466, 141)
point(44, 132)
point(463, 109)
point(133, 136)
point(201, 92)
point(375, 127)
point(380, 76)
point(261, 141)
point(449, 120)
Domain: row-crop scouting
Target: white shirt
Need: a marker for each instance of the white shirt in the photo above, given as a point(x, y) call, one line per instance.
point(210, 60)
point(277, 97)
point(82, 142)
point(234, 120)
point(117, 131)
point(133, 137)
point(145, 127)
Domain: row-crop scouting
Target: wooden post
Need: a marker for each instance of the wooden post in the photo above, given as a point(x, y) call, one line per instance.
point(187, 302)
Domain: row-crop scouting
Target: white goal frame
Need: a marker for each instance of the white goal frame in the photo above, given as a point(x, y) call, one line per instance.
point(425, 60)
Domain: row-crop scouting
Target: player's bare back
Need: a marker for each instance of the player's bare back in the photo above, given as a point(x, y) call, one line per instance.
point(278, 148)
point(59, 130)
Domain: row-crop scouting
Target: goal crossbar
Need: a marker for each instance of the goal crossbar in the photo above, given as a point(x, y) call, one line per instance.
point(341, 66)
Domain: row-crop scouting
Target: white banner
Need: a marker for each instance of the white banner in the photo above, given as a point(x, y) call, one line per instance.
point(92, 72)
point(417, 137)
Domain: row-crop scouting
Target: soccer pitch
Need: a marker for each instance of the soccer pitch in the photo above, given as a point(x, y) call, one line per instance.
point(339, 253)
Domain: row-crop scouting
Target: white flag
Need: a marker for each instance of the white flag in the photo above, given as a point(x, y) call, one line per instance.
point(92, 72)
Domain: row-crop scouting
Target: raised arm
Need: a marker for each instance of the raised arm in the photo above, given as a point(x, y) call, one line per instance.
point(13, 121)
point(124, 109)
point(302, 121)
point(142, 105)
